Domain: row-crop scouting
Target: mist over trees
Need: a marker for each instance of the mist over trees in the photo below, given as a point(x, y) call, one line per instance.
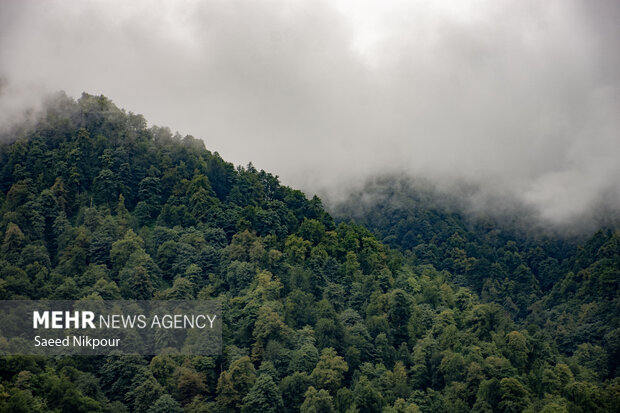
point(518, 97)
point(408, 308)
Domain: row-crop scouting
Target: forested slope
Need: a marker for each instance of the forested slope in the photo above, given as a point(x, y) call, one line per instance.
point(318, 316)
point(566, 286)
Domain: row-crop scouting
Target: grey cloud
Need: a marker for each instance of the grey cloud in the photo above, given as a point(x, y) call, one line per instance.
point(519, 98)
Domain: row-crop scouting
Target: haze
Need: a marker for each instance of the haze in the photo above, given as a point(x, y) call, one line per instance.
point(520, 99)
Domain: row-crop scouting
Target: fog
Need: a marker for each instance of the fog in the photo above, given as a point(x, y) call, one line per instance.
point(518, 99)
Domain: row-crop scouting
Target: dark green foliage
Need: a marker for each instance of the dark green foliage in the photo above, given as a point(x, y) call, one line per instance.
point(165, 404)
point(458, 315)
point(264, 396)
point(293, 389)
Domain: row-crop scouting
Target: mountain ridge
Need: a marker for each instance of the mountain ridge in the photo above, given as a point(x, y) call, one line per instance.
point(319, 314)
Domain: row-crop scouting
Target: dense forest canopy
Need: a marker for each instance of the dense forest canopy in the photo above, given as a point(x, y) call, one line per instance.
point(408, 308)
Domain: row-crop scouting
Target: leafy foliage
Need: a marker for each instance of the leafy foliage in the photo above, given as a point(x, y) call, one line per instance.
point(432, 314)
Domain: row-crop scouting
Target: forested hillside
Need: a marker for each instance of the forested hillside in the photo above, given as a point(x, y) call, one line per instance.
point(504, 258)
point(563, 285)
point(431, 315)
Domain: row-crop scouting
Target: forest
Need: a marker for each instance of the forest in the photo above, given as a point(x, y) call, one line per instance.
point(401, 307)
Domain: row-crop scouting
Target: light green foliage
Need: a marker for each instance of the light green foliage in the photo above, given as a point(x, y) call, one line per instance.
point(317, 402)
point(234, 384)
point(329, 371)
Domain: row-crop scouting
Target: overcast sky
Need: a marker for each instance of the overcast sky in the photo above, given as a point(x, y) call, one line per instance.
point(521, 97)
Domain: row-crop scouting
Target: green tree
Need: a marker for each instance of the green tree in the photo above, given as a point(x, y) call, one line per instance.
point(264, 396)
point(317, 402)
point(304, 359)
point(165, 404)
point(518, 350)
point(144, 391)
point(329, 371)
point(293, 388)
point(399, 314)
point(514, 396)
point(14, 241)
point(190, 384)
point(234, 384)
point(367, 397)
point(122, 249)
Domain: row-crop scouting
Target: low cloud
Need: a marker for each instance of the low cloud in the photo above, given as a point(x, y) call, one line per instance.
point(520, 99)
